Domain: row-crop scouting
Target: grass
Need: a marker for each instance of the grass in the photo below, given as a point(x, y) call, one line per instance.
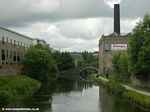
point(137, 98)
point(116, 88)
point(13, 86)
point(99, 81)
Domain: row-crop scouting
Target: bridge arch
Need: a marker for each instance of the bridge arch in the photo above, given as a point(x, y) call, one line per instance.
point(88, 67)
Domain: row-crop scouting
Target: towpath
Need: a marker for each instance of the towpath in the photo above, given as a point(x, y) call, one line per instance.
point(130, 88)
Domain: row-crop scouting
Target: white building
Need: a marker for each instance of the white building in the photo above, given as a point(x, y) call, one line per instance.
point(12, 46)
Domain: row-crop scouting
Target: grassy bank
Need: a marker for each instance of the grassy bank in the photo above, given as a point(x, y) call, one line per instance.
point(137, 98)
point(116, 88)
point(99, 81)
point(12, 86)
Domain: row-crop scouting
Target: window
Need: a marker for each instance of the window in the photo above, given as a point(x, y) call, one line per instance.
point(14, 56)
point(14, 42)
point(10, 54)
point(10, 41)
point(7, 40)
point(3, 54)
point(18, 57)
point(106, 47)
point(3, 40)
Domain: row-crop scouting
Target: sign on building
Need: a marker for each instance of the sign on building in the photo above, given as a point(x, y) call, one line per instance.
point(119, 47)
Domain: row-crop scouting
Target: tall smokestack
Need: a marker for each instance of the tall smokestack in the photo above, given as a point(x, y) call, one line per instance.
point(117, 19)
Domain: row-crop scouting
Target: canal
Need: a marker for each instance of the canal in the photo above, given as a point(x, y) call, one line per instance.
point(73, 96)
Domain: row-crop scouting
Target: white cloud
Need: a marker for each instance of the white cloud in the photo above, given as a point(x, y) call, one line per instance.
point(75, 34)
point(73, 25)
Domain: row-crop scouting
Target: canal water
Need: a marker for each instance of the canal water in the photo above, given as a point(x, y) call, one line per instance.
point(74, 96)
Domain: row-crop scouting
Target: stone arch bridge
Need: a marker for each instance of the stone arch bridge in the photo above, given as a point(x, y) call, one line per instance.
point(83, 77)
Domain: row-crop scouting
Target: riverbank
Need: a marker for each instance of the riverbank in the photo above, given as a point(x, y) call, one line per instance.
point(123, 91)
point(13, 86)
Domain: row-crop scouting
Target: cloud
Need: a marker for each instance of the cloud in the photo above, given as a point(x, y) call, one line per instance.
point(18, 13)
point(73, 25)
point(74, 34)
point(112, 2)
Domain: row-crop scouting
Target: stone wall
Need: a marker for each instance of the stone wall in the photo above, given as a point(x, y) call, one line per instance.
point(10, 70)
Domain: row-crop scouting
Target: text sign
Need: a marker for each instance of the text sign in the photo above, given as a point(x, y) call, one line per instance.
point(118, 47)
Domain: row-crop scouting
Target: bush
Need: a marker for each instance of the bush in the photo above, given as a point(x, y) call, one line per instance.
point(39, 64)
point(120, 66)
point(63, 60)
point(5, 97)
point(12, 86)
point(115, 87)
point(99, 81)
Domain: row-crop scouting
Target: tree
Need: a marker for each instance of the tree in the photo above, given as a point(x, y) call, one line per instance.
point(139, 49)
point(115, 62)
point(120, 66)
point(123, 67)
point(64, 60)
point(89, 59)
point(39, 64)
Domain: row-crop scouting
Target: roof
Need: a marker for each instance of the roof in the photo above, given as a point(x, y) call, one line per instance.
point(116, 35)
point(15, 33)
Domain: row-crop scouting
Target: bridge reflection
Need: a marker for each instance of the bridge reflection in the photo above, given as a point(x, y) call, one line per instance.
point(87, 71)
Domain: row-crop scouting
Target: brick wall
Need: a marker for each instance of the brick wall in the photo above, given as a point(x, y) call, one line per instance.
point(106, 54)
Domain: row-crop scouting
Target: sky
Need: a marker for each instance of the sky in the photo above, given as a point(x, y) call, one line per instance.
point(70, 25)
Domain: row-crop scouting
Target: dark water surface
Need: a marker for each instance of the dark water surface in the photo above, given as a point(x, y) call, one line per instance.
point(73, 96)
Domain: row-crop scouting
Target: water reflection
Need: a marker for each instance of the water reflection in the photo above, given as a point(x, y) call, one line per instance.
point(111, 103)
point(73, 96)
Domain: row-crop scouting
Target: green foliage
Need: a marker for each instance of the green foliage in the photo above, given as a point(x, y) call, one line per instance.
point(39, 64)
point(115, 62)
point(5, 97)
point(112, 86)
point(80, 63)
point(99, 81)
point(137, 98)
point(115, 87)
point(120, 66)
point(12, 86)
point(123, 66)
point(64, 60)
point(139, 49)
point(89, 59)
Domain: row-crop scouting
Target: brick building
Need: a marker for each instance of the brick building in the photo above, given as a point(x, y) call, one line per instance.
point(108, 45)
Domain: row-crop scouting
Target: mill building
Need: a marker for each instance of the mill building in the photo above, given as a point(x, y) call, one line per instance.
point(112, 43)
